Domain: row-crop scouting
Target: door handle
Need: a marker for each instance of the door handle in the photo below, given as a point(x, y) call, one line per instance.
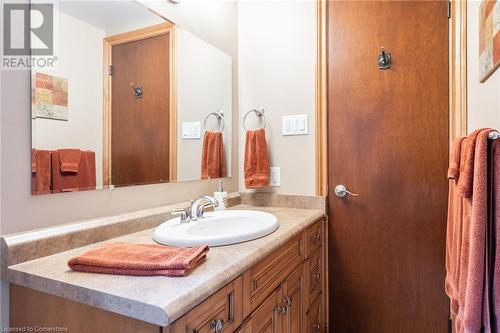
point(341, 191)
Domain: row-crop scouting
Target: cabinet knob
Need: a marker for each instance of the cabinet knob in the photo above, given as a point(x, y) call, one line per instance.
point(281, 310)
point(317, 327)
point(217, 325)
point(317, 237)
point(317, 276)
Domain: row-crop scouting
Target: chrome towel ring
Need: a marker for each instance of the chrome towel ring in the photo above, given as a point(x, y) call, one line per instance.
point(259, 112)
point(220, 117)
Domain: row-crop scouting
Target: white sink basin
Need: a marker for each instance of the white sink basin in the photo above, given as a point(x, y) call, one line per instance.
point(217, 228)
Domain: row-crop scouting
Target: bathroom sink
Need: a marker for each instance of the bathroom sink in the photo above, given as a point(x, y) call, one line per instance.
point(217, 228)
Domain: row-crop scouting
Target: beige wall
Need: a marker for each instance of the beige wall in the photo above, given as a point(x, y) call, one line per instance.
point(204, 86)
point(483, 98)
point(19, 211)
point(277, 54)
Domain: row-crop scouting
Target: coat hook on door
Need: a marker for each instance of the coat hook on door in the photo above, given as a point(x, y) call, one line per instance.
point(384, 59)
point(137, 90)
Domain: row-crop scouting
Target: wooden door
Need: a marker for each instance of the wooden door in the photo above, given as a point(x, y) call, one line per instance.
point(266, 318)
point(293, 300)
point(388, 142)
point(140, 126)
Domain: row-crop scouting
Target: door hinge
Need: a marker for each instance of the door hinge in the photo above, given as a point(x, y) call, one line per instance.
point(110, 70)
point(449, 9)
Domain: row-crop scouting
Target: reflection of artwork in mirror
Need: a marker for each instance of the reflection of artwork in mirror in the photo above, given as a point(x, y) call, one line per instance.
point(126, 83)
point(50, 97)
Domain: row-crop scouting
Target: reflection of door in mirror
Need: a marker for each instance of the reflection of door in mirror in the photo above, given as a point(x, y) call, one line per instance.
point(139, 129)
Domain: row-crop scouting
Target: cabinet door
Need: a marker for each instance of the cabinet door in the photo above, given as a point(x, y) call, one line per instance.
point(293, 302)
point(266, 319)
point(314, 321)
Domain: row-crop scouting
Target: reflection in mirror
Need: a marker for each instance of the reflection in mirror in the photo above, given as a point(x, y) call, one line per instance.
point(132, 99)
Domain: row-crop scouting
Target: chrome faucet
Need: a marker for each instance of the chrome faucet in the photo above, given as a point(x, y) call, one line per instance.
point(198, 206)
point(196, 210)
point(184, 213)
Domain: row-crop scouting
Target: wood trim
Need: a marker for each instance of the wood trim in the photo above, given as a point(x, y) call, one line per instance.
point(106, 107)
point(321, 101)
point(325, 270)
point(173, 107)
point(135, 35)
point(127, 37)
point(458, 68)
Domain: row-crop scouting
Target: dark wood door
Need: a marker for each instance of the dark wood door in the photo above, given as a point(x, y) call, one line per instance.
point(388, 142)
point(140, 126)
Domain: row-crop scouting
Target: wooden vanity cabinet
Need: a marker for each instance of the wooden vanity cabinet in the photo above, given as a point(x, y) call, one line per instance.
point(282, 293)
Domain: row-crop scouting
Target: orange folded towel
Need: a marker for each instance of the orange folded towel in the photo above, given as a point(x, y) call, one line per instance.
point(70, 159)
point(41, 178)
point(140, 260)
point(213, 161)
point(256, 165)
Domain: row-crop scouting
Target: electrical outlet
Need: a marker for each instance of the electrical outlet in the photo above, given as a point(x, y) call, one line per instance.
point(274, 175)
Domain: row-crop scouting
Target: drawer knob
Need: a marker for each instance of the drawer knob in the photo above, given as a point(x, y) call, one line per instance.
point(317, 276)
point(317, 237)
point(317, 327)
point(217, 325)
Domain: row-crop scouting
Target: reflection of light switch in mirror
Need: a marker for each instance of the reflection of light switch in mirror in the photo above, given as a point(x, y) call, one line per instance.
point(295, 125)
point(191, 130)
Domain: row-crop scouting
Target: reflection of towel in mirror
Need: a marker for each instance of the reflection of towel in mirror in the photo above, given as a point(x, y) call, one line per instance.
point(256, 167)
point(40, 171)
point(213, 161)
point(69, 159)
point(84, 179)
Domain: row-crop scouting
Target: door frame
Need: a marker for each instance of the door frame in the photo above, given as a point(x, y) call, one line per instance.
point(457, 81)
point(127, 37)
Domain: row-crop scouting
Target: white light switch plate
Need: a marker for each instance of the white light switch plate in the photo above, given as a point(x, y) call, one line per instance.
point(295, 125)
point(191, 130)
point(274, 176)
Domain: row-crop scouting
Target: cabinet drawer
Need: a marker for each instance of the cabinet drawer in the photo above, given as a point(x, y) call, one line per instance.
point(314, 321)
point(314, 237)
point(314, 277)
point(261, 280)
point(222, 312)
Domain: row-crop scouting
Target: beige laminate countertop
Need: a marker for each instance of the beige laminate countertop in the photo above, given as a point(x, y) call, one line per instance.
point(157, 300)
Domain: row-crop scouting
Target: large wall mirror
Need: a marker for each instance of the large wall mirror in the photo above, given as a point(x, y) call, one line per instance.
point(132, 99)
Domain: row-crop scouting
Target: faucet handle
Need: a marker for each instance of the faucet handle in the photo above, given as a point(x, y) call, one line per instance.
point(183, 213)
